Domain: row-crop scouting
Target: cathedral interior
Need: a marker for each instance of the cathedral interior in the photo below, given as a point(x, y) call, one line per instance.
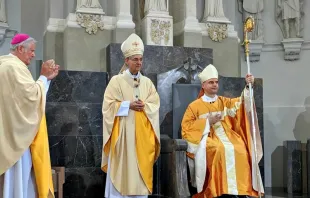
point(181, 37)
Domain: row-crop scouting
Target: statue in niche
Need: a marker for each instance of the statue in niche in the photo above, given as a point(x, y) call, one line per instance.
point(289, 16)
point(253, 8)
point(155, 5)
point(214, 9)
point(88, 4)
point(2, 11)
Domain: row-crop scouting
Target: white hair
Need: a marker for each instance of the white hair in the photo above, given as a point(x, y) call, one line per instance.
point(25, 44)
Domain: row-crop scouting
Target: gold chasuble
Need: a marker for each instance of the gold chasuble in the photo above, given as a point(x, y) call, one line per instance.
point(223, 153)
point(133, 142)
point(22, 122)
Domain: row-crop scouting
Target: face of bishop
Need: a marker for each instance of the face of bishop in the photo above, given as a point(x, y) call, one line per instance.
point(210, 86)
point(134, 63)
point(26, 53)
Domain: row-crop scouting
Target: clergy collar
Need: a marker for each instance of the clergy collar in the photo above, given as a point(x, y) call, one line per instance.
point(206, 98)
point(133, 76)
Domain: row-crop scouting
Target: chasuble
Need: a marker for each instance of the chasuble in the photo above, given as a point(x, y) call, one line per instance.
point(221, 156)
point(131, 140)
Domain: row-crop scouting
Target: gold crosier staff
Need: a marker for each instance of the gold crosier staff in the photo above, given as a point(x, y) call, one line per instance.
point(248, 27)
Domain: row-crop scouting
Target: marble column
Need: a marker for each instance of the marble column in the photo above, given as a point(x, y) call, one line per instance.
point(192, 29)
point(292, 167)
point(124, 25)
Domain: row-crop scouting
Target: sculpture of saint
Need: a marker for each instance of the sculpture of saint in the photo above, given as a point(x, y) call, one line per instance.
point(214, 9)
point(88, 4)
point(155, 5)
point(289, 11)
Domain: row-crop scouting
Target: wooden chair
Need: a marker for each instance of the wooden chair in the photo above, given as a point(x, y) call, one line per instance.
point(58, 174)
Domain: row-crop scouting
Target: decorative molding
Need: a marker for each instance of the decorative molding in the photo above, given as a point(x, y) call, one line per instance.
point(255, 50)
point(91, 19)
point(157, 29)
point(59, 25)
point(217, 31)
point(91, 22)
point(292, 48)
point(160, 30)
point(278, 47)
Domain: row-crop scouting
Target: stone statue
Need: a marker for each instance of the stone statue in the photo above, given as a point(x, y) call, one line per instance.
point(88, 4)
point(2, 11)
point(155, 5)
point(253, 8)
point(289, 12)
point(214, 9)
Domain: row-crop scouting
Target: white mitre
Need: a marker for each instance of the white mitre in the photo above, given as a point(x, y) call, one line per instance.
point(133, 45)
point(209, 72)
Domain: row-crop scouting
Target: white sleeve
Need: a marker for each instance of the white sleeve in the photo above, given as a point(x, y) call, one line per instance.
point(45, 82)
point(123, 109)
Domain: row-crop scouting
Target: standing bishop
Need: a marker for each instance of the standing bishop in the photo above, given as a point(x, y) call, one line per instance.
point(131, 138)
point(25, 167)
point(220, 145)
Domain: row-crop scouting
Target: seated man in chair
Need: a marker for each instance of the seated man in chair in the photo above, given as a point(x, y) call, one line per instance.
point(220, 151)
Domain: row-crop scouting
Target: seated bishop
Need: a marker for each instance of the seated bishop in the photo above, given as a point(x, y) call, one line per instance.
point(221, 152)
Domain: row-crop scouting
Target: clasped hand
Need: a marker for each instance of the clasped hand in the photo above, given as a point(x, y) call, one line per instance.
point(214, 118)
point(137, 105)
point(49, 69)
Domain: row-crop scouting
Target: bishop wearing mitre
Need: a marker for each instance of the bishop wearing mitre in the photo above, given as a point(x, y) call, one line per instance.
point(131, 138)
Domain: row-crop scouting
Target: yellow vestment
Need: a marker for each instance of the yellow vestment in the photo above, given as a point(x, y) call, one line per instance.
point(131, 142)
point(22, 122)
point(227, 156)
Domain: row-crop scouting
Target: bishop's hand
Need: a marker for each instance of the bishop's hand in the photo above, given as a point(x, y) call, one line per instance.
point(49, 69)
point(249, 78)
point(214, 118)
point(137, 105)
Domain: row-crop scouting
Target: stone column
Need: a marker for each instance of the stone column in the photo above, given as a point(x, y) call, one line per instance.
point(124, 25)
point(53, 35)
point(192, 29)
point(292, 167)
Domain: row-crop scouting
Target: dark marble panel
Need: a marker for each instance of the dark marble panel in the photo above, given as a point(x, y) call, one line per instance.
point(84, 183)
point(71, 119)
point(78, 86)
point(158, 59)
point(75, 151)
point(292, 169)
point(308, 166)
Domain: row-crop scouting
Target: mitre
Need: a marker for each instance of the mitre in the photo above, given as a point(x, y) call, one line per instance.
point(133, 45)
point(208, 73)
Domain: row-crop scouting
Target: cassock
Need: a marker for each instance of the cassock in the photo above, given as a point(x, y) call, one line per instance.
point(221, 156)
point(25, 168)
point(131, 139)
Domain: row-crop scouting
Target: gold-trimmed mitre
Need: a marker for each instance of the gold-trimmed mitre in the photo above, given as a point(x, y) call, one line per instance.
point(133, 45)
point(209, 72)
